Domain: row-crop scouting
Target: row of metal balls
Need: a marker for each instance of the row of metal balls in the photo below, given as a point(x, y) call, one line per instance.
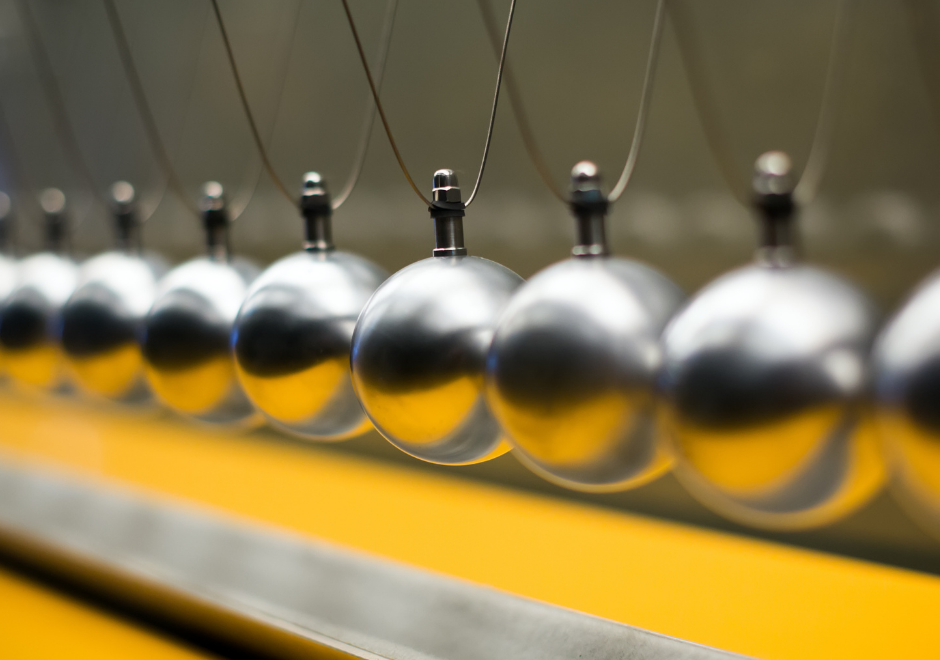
point(761, 390)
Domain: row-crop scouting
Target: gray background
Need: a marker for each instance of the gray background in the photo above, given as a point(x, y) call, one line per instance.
point(580, 67)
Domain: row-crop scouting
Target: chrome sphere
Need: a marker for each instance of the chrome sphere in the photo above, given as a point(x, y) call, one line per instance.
point(186, 340)
point(571, 373)
point(30, 314)
point(30, 317)
point(102, 323)
point(419, 354)
point(292, 337)
point(186, 336)
point(765, 375)
point(907, 384)
point(419, 348)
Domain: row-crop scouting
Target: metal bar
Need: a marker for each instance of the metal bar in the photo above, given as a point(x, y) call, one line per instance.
point(284, 594)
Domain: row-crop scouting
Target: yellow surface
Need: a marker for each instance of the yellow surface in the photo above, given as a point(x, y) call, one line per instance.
point(36, 624)
point(743, 595)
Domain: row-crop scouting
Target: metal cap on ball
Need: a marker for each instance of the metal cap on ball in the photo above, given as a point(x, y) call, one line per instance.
point(315, 205)
point(448, 212)
point(215, 220)
point(773, 200)
point(589, 205)
point(126, 223)
point(52, 202)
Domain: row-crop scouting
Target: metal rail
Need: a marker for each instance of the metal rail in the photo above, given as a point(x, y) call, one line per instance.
point(285, 595)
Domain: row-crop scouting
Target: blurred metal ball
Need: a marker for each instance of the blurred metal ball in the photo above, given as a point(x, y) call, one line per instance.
point(572, 369)
point(292, 342)
point(765, 375)
point(102, 323)
point(419, 354)
point(186, 338)
point(29, 321)
point(907, 383)
point(292, 337)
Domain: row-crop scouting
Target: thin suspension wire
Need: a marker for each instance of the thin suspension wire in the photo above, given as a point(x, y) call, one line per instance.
point(645, 98)
point(366, 132)
point(388, 130)
point(143, 109)
point(365, 137)
point(518, 108)
point(499, 79)
point(923, 20)
point(246, 193)
point(55, 101)
point(525, 130)
point(691, 53)
point(255, 133)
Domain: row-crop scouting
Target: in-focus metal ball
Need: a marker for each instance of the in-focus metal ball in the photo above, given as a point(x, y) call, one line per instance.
point(420, 345)
point(30, 316)
point(907, 383)
point(187, 331)
point(765, 373)
point(102, 322)
point(571, 374)
point(292, 337)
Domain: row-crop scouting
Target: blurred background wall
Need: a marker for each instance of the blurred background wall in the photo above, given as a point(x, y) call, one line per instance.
point(579, 66)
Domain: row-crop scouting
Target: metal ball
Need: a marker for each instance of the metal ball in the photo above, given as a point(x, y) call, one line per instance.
point(102, 323)
point(29, 321)
point(906, 366)
point(292, 337)
point(419, 353)
point(572, 370)
point(185, 343)
point(765, 378)
point(8, 268)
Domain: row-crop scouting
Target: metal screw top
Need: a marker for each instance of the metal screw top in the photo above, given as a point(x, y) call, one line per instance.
point(772, 174)
point(52, 201)
point(444, 187)
point(317, 210)
point(447, 211)
point(123, 197)
point(589, 206)
point(215, 219)
point(773, 199)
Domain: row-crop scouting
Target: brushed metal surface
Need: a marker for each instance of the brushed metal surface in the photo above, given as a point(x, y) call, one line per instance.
point(339, 600)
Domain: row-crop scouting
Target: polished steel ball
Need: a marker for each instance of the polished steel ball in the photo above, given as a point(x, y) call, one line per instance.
point(31, 313)
point(186, 340)
point(103, 321)
point(572, 369)
point(292, 337)
point(765, 374)
point(907, 384)
point(187, 331)
point(419, 354)
point(29, 321)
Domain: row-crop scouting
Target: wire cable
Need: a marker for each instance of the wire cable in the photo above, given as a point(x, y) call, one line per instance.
point(388, 130)
point(55, 101)
point(518, 108)
point(144, 111)
point(525, 130)
point(691, 54)
point(365, 134)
